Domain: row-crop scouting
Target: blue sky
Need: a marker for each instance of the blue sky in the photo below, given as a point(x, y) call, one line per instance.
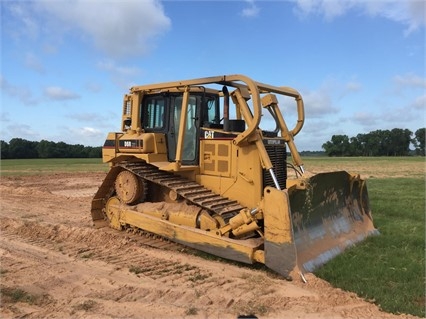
point(65, 65)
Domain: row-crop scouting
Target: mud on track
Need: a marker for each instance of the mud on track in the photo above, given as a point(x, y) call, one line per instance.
point(55, 265)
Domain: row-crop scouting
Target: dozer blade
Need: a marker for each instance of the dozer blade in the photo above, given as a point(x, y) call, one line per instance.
point(331, 214)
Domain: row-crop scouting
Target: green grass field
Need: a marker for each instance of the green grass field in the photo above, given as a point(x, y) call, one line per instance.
point(389, 269)
point(51, 165)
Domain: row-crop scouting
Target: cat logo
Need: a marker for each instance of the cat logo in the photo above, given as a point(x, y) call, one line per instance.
point(209, 134)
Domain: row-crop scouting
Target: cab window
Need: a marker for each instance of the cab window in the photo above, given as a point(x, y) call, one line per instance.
point(153, 113)
point(213, 115)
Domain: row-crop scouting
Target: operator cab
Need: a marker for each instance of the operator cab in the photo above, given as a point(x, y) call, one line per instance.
point(161, 113)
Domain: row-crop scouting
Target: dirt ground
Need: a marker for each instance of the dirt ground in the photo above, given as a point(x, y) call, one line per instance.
point(55, 265)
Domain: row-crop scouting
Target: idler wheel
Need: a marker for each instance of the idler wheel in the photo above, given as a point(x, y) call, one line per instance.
point(130, 189)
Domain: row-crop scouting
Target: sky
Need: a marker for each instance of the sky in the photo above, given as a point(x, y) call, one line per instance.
point(360, 65)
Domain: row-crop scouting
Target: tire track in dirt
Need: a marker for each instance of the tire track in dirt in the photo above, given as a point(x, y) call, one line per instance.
point(76, 288)
point(122, 250)
point(177, 282)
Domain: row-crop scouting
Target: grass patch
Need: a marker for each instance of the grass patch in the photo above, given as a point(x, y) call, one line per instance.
point(88, 255)
point(3, 271)
point(388, 269)
point(85, 305)
point(136, 269)
point(192, 311)
point(199, 277)
point(37, 166)
point(16, 295)
point(252, 309)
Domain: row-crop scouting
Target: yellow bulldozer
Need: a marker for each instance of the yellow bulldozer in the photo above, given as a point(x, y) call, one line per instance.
point(204, 163)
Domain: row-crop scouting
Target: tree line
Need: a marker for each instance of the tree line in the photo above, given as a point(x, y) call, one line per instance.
point(21, 148)
point(395, 142)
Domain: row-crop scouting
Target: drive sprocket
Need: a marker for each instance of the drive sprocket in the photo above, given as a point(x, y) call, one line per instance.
point(130, 189)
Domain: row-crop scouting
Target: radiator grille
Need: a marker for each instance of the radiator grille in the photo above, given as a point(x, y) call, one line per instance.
point(278, 156)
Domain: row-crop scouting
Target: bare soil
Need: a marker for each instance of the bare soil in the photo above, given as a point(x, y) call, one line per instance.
point(54, 264)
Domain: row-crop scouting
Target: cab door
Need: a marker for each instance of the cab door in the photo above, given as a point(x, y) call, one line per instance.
point(190, 152)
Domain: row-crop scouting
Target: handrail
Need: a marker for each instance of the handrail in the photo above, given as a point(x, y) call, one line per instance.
point(242, 82)
point(254, 87)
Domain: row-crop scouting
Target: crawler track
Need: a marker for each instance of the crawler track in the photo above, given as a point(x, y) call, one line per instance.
point(191, 191)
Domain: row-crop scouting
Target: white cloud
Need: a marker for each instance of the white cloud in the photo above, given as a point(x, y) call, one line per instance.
point(110, 66)
point(90, 131)
point(365, 119)
point(410, 13)
point(32, 62)
point(420, 103)
point(88, 117)
point(93, 87)
point(87, 135)
point(58, 94)
point(49, 48)
point(4, 116)
point(322, 101)
point(353, 86)
point(251, 10)
point(24, 131)
point(118, 28)
point(409, 80)
point(399, 116)
point(23, 25)
point(318, 103)
point(328, 8)
point(120, 75)
point(22, 93)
